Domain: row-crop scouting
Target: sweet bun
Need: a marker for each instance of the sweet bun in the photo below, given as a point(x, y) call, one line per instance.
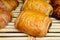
point(38, 5)
point(33, 23)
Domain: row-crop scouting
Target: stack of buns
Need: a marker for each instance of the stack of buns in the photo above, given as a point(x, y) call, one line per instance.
point(34, 18)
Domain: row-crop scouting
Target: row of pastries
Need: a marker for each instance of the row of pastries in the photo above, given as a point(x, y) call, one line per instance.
point(34, 18)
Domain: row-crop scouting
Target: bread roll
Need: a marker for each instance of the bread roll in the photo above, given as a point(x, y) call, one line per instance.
point(5, 17)
point(33, 23)
point(38, 5)
point(8, 4)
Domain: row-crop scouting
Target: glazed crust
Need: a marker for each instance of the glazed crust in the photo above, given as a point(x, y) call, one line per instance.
point(48, 1)
point(33, 23)
point(37, 5)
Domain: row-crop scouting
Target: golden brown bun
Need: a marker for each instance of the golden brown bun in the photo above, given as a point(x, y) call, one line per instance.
point(8, 4)
point(38, 5)
point(33, 23)
point(5, 17)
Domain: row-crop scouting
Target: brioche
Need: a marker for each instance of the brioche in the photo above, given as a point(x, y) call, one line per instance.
point(48, 1)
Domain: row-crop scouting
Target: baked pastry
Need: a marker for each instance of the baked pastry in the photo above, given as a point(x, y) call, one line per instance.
point(5, 17)
point(48, 1)
point(55, 2)
point(56, 12)
point(37, 5)
point(33, 23)
point(56, 6)
point(8, 4)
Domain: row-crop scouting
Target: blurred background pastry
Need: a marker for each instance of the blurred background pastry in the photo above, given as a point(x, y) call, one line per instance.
point(9, 4)
point(5, 17)
point(38, 5)
point(56, 7)
point(6, 6)
point(48, 1)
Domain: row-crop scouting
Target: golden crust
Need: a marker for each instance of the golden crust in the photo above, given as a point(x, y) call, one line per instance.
point(37, 5)
point(48, 1)
point(55, 2)
point(33, 23)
